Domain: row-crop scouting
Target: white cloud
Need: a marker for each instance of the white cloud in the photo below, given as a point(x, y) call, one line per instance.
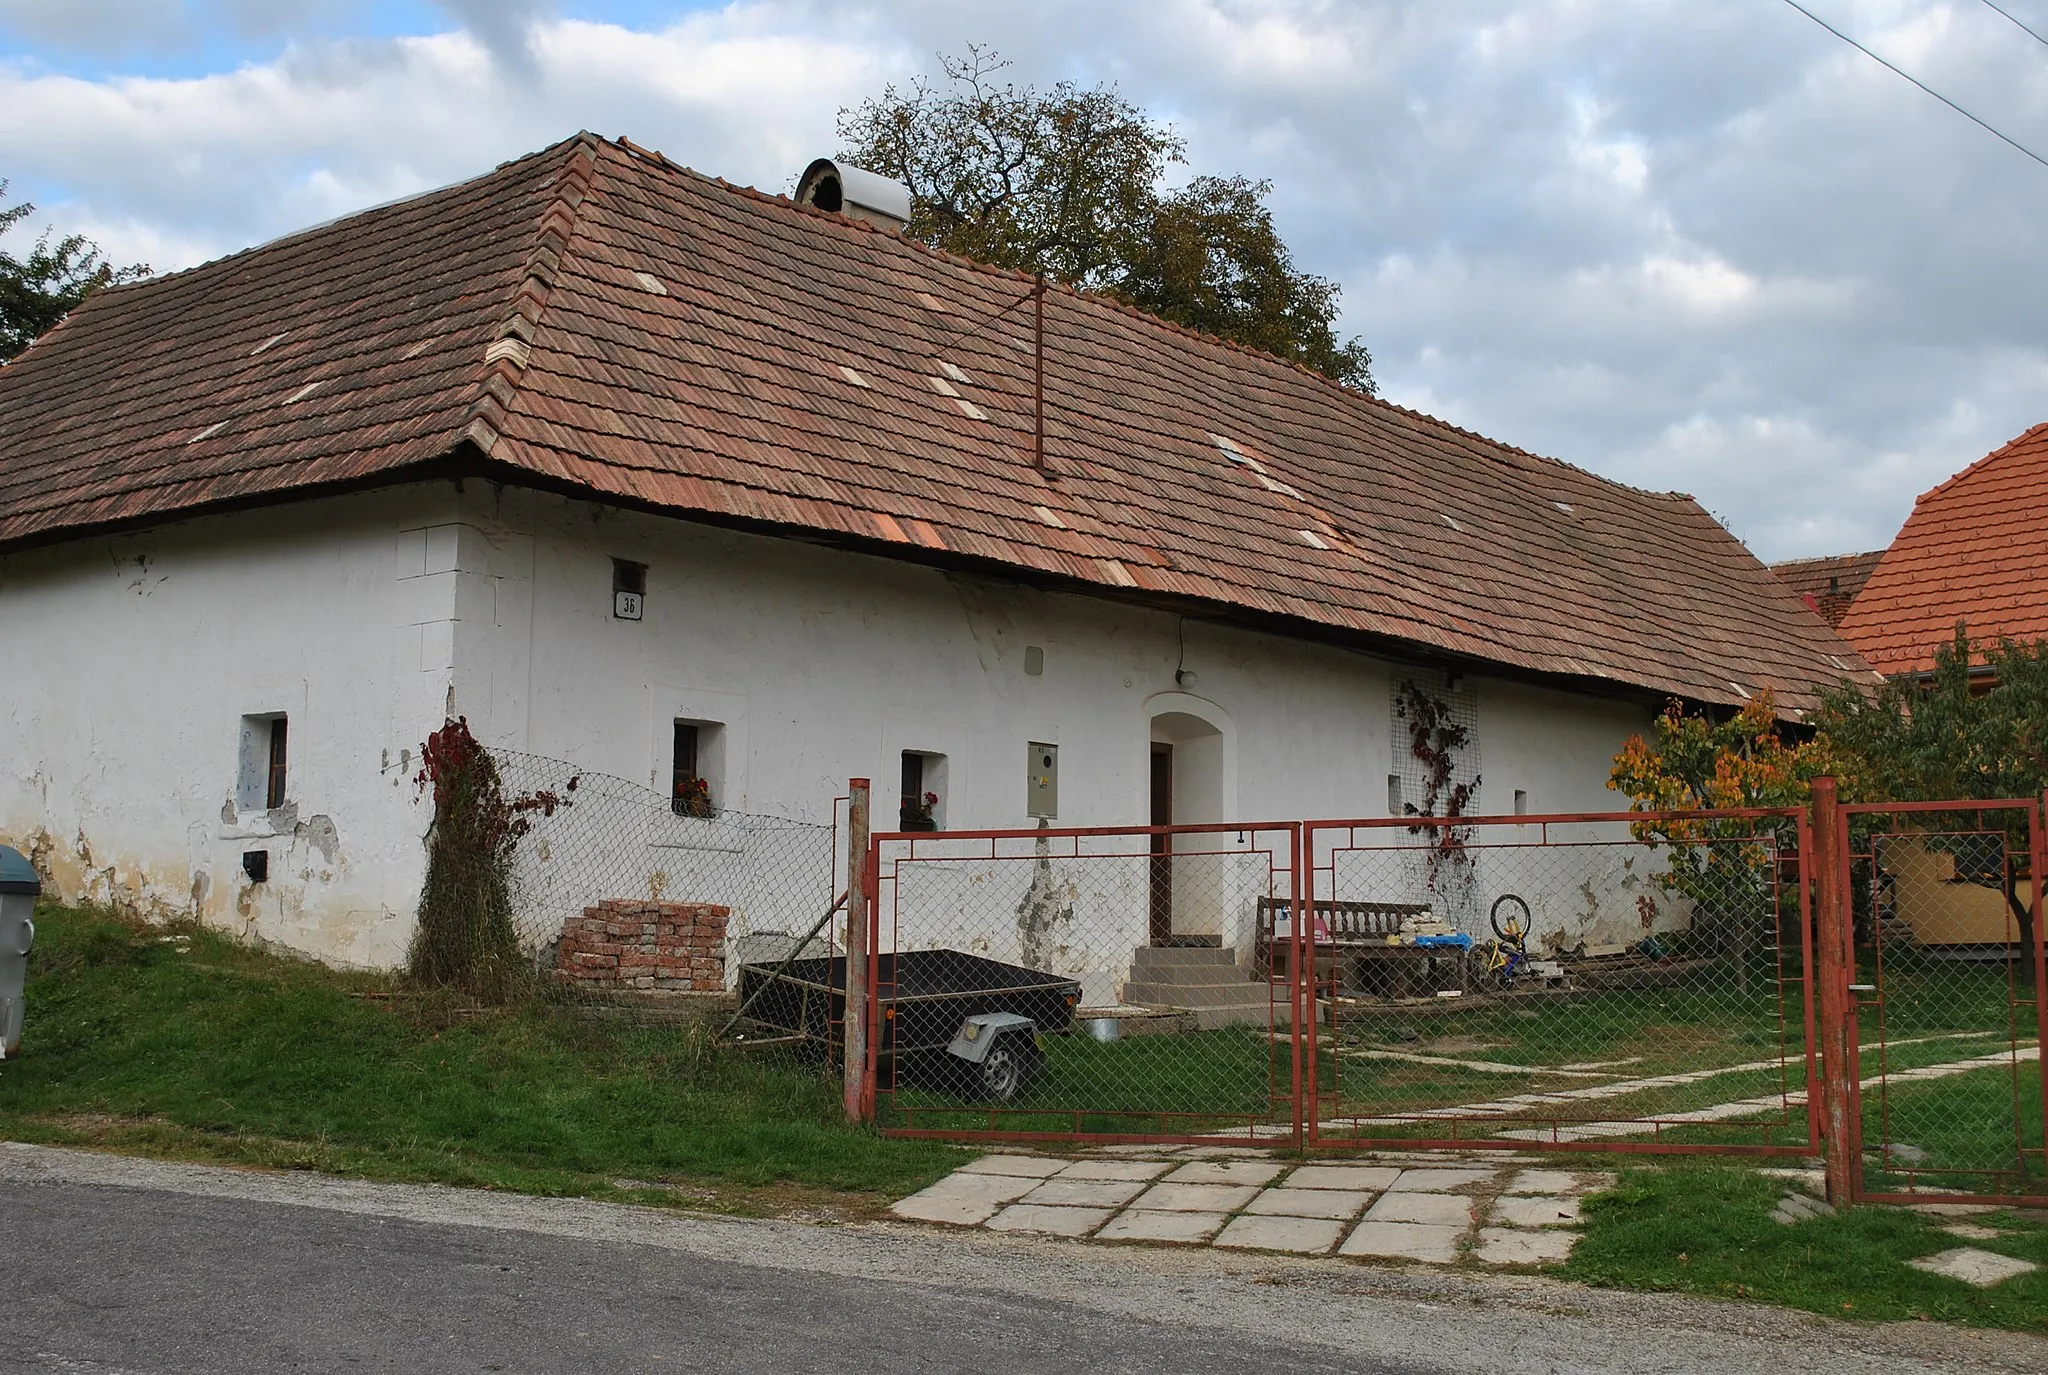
point(1695, 246)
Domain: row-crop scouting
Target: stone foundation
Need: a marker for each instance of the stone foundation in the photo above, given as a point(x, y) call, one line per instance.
point(661, 946)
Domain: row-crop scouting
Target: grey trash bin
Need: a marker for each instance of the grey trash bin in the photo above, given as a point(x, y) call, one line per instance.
point(19, 889)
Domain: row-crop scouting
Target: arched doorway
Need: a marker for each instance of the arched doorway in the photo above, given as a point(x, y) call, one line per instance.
point(1190, 781)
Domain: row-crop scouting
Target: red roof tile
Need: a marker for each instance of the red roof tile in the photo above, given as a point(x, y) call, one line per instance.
point(1975, 549)
point(596, 317)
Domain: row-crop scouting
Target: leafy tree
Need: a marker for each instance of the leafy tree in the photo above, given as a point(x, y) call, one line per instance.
point(1067, 182)
point(1946, 741)
point(1693, 762)
point(38, 291)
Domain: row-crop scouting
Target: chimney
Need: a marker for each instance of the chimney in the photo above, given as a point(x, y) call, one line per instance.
point(856, 194)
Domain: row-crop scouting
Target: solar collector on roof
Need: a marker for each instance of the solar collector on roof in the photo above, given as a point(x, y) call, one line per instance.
point(732, 397)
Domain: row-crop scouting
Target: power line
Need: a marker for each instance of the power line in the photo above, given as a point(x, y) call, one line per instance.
point(1917, 81)
point(2022, 27)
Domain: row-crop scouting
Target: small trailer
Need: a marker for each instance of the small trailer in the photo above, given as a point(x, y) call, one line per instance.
point(959, 1017)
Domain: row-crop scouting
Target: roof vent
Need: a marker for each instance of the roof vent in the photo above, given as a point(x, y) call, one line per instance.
point(856, 194)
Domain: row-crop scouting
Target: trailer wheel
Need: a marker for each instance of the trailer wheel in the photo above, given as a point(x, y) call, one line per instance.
point(1004, 1070)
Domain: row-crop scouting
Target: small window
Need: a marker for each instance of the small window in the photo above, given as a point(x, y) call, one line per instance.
point(629, 589)
point(261, 777)
point(1521, 802)
point(690, 789)
point(921, 801)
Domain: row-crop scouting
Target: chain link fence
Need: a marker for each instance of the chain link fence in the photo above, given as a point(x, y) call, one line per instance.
point(619, 895)
point(1560, 983)
point(1103, 984)
point(1948, 1011)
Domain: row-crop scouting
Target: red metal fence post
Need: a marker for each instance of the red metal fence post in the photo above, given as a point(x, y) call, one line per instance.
point(2037, 866)
point(858, 1103)
point(1831, 917)
point(1302, 1093)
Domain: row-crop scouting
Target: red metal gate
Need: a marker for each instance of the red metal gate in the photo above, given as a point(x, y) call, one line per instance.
point(1620, 982)
point(1157, 956)
point(1943, 1001)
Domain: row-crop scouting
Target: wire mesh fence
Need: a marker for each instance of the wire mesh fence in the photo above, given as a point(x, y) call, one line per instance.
point(1125, 983)
point(618, 894)
point(1946, 997)
point(1620, 983)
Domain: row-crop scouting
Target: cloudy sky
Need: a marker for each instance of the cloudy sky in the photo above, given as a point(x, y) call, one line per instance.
point(1690, 244)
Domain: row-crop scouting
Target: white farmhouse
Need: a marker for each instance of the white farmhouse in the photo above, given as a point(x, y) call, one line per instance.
point(709, 490)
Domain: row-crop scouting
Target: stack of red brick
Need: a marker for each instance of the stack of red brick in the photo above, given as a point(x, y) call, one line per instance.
point(673, 946)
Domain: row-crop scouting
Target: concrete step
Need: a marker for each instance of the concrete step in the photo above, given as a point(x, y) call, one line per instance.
point(1148, 994)
point(1147, 959)
point(1242, 1014)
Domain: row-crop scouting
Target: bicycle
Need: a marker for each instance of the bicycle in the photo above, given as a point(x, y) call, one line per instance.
point(1509, 952)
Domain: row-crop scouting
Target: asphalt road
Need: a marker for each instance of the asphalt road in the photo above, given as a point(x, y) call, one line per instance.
point(111, 1266)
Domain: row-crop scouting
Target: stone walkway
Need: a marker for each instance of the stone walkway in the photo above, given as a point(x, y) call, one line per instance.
point(1438, 1211)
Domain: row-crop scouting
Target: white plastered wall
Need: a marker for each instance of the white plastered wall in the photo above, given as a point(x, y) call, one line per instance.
point(822, 665)
point(130, 663)
point(127, 669)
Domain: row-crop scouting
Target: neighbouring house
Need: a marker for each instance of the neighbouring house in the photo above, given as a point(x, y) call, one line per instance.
point(737, 498)
point(1829, 585)
point(1972, 551)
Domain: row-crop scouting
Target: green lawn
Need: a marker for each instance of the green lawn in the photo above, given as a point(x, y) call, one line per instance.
point(1705, 1228)
point(187, 1043)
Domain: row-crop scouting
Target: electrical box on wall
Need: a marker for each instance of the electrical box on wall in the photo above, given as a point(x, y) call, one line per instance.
point(1042, 781)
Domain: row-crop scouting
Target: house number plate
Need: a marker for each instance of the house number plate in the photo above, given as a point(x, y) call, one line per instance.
point(626, 605)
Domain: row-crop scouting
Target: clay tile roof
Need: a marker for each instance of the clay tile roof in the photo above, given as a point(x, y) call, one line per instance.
point(596, 319)
point(1829, 585)
point(1975, 549)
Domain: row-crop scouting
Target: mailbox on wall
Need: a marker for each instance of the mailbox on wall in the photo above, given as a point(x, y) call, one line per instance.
point(1042, 781)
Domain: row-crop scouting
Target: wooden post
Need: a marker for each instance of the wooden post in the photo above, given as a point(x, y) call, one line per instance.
point(856, 1017)
point(1833, 946)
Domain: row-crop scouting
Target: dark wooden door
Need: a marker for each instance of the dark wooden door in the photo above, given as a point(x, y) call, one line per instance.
point(1162, 845)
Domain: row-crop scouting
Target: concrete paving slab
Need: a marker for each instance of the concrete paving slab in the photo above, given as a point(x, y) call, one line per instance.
point(1982, 1269)
point(1440, 1210)
point(1225, 1172)
point(1970, 1231)
point(1058, 1222)
point(1953, 1209)
point(1513, 1246)
point(1304, 1236)
point(1535, 1210)
point(1115, 1169)
point(956, 1209)
point(1224, 1153)
point(1403, 1241)
point(1373, 1178)
point(1283, 1202)
point(1196, 1198)
point(1140, 1152)
point(963, 1199)
point(1437, 1180)
point(1555, 1182)
point(1028, 1166)
point(1137, 1224)
point(1795, 1208)
point(1085, 1193)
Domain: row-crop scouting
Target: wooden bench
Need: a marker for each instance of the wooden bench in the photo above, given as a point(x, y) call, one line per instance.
point(1350, 940)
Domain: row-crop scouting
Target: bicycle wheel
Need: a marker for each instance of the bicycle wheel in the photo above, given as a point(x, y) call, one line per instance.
point(1512, 928)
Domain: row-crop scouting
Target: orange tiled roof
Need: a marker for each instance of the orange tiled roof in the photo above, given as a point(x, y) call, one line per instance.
point(1975, 549)
point(1829, 585)
point(595, 319)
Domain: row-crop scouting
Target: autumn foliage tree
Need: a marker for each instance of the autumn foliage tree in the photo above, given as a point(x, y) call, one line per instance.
point(1070, 182)
point(1691, 762)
